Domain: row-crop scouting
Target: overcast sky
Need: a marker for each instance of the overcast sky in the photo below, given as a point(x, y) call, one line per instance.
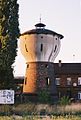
point(61, 16)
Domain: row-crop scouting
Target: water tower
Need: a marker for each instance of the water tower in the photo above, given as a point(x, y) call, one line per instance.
point(40, 47)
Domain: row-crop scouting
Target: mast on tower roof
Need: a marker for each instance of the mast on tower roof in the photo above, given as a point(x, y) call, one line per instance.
point(40, 25)
point(40, 18)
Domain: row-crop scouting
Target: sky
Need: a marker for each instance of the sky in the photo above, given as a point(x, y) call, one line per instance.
point(61, 16)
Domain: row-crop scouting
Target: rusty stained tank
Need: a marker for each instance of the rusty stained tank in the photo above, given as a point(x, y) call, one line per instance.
point(40, 47)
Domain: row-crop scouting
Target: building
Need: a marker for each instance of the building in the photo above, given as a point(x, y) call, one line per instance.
point(18, 80)
point(67, 80)
point(40, 46)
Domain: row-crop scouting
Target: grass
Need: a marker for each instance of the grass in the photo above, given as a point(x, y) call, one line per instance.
point(68, 117)
point(31, 111)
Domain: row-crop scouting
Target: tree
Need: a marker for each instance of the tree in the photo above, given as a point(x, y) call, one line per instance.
point(9, 32)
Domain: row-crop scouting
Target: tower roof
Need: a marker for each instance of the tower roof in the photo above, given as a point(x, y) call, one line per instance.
point(40, 29)
point(40, 25)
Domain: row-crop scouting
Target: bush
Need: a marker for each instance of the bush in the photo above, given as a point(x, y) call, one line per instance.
point(44, 96)
point(64, 100)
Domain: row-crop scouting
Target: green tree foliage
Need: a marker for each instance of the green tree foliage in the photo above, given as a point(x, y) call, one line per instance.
point(9, 32)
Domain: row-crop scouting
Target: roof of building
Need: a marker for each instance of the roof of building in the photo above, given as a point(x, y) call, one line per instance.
point(41, 30)
point(19, 79)
point(67, 68)
point(40, 25)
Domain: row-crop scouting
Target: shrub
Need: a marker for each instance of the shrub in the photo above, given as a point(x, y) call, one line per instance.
point(64, 100)
point(44, 96)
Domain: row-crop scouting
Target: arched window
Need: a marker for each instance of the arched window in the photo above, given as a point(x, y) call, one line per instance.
point(27, 65)
point(55, 48)
point(47, 81)
point(46, 65)
point(25, 80)
point(26, 48)
point(41, 49)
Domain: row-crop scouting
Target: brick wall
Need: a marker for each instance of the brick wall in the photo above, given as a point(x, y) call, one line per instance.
point(39, 75)
point(64, 89)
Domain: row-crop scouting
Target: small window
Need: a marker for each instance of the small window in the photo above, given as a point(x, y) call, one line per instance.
point(46, 66)
point(79, 80)
point(27, 65)
point(57, 81)
point(26, 48)
point(41, 36)
point(47, 81)
point(41, 49)
point(79, 95)
point(68, 81)
point(55, 48)
point(25, 80)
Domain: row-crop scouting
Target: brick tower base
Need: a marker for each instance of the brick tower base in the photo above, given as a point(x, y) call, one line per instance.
point(39, 77)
